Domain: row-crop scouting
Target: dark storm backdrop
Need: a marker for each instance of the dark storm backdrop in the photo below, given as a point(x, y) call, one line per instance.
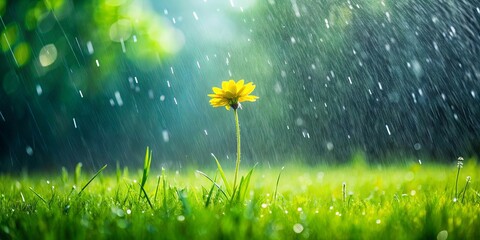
point(97, 81)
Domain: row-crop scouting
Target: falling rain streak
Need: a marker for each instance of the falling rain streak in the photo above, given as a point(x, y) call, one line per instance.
point(332, 78)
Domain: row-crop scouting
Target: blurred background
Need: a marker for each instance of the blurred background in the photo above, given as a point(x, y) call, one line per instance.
point(97, 81)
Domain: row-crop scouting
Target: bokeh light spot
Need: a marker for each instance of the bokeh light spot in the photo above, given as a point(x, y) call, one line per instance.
point(3, 3)
point(22, 53)
point(121, 30)
point(10, 83)
point(9, 36)
point(48, 55)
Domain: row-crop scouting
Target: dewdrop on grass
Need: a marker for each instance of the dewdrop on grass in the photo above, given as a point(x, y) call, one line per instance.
point(298, 228)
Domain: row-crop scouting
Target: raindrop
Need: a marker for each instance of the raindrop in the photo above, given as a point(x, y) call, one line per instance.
point(181, 218)
point(443, 235)
point(165, 136)
point(122, 43)
point(74, 123)
point(299, 121)
point(378, 221)
point(277, 88)
point(175, 101)
point(295, 8)
point(39, 89)
point(118, 98)
point(388, 130)
point(1, 115)
point(473, 93)
point(298, 228)
point(90, 48)
point(97, 62)
point(29, 150)
point(195, 15)
point(420, 92)
point(80, 92)
point(417, 146)
point(329, 146)
point(292, 39)
point(162, 98)
point(417, 68)
point(205, 131)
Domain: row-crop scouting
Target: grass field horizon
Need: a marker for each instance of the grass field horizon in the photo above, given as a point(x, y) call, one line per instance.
point(350, 201)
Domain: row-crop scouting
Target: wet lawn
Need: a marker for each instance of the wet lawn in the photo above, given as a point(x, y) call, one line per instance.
point(408, 201)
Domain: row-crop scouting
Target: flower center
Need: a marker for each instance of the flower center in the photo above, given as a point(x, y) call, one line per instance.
point(233, 103)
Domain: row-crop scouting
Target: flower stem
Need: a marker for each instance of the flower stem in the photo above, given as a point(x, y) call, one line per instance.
point(237, 164)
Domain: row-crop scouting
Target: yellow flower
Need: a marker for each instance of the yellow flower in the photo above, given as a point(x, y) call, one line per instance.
point(231, 94)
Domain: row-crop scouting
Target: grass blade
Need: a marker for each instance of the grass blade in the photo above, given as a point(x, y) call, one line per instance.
point(38, 195)
point(241, 191)
point(78, 173)
point(211, 180)
point(146, 169)
point(209, 196)
point(222, 175)
point(276, 186)
point(156, 189)
point(91, 179)
point(146, 196)
point(182, 195)
point(164, 179)
point(118, 173)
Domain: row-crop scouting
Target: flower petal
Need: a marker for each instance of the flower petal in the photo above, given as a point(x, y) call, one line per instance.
point(217, 90)
point(231, 87)
point(213, 95)
point(224, 85)
point(249, 87)
point(249, 98)
point(240, 86)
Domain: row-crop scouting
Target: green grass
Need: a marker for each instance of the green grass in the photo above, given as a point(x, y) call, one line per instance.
point(387, 202)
